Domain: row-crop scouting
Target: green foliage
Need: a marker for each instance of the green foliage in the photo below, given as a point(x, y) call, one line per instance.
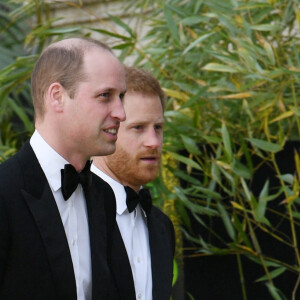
point(13, 90)
point(230, 70)
point(25, 28)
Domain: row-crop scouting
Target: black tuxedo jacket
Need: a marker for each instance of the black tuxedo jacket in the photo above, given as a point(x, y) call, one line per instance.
point(162, 246)
point(35, 261)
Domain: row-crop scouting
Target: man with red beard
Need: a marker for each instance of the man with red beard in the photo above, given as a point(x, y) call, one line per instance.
point(143, 240)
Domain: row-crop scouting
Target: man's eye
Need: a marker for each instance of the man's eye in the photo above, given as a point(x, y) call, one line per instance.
point(105, 95)
point(137, 127)
point(122, 96)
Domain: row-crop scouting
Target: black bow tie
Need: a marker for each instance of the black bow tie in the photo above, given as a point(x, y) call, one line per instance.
point(70, 179)
point(133, 198)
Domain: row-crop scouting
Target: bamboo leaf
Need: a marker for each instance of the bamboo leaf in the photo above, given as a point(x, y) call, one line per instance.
point(122, 24)
point(265, 190)
point(194, 100)
point(275, 273)
point(176, 94)
point(264, 145)
point(113, 34)
point(171, 23)
point(194, 20)
point(226, 220)
point(197, 41)
point(285, 115)
point(264, 27)
point(219, 68)
point(192, 206)
point(226, 141)
point(270, 53)
point(186, 177)
point(58, 31)
point(242, 235)
point(215, 172)
point(175, 272)
point(208, 193)
point(273, 291)
point(22, 115)
point(212, 139)
point(296, 111)
point(297, 163)
point(190, 144)
point(236, 96)
point(123, 46)
point(241, 170)
point(185, 160)
point(288, 178)
point(260, 209)
point(237, 206)
point(246, 189)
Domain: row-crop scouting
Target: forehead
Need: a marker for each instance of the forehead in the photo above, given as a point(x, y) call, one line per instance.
point(102, 68)
point(143, 107)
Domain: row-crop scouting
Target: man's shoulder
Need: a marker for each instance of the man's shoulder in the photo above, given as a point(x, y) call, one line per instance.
point(11, 179)
point(158, 213)
point(9, 168)
point(166, 223)
point(14, 161)
point(7, 164)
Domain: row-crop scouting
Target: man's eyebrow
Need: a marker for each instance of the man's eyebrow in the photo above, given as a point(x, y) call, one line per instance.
point(107, 89)
point(142, 122)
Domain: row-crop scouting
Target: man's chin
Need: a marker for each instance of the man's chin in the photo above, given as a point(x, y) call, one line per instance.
point(147, 178)
point(107, 150)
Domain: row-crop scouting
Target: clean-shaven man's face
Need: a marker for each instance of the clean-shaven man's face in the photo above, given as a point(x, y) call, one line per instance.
point(93, 116)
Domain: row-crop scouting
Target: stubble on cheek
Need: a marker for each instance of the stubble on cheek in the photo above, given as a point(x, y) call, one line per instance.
point(129, 169)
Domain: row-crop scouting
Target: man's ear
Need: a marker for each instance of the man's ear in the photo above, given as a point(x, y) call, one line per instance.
point(56, 94)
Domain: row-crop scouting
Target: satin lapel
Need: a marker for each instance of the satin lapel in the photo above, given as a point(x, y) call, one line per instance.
point(98, 238)
point(41, 203)
point(121, 267)
point(161, 257)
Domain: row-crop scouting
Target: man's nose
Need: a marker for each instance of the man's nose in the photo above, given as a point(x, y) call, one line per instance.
point(153, 139)
point(118, 111)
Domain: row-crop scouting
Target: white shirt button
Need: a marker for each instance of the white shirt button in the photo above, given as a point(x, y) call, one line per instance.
point(138, 260)
point(139, 295)
point(73, 242)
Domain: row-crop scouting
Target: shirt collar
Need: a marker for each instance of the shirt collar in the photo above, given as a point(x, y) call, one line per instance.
point(117, 187)
point(50, 161)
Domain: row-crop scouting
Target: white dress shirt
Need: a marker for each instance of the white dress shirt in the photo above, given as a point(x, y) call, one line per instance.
point(135, 236)
point(73, 214)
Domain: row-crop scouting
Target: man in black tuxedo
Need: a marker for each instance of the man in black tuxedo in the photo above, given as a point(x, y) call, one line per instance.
point(53, 233)
point(143, 242)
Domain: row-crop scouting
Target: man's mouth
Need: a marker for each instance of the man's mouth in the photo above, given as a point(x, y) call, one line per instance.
point(149, 158)
point(112, 131)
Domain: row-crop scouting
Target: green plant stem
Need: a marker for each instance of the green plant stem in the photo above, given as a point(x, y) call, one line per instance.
point(296, 105)
point(290, 213)
point(242, 278)
point(295, 288)
point(259, 253)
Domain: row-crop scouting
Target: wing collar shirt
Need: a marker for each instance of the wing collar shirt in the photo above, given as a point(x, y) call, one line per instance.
point(134, 231)
point(73, 214)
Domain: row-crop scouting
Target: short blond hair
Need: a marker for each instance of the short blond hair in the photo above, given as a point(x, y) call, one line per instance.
point(60, 62)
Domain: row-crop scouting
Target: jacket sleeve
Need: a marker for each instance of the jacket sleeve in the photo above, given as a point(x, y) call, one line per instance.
point(172, 233)
point(4, 239)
